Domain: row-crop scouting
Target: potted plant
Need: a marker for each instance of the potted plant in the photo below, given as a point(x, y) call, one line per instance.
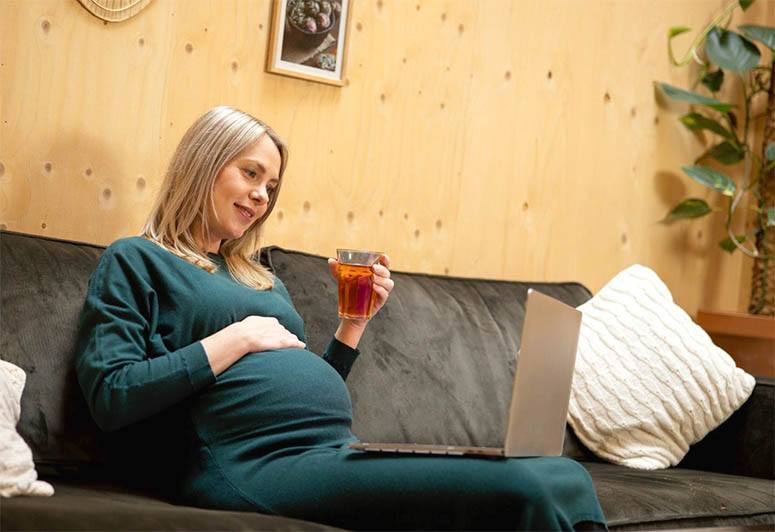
point(727, 56)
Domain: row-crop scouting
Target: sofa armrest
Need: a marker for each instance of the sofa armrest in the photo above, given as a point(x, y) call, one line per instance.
point(745, 443)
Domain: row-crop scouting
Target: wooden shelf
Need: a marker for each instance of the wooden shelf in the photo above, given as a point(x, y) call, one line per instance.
point(737, 324)
point(749, 339)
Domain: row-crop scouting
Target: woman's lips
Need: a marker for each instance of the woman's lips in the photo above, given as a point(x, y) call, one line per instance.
point(245, 212)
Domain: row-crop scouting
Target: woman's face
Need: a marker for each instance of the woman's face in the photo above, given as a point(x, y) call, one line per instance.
point(242, 191)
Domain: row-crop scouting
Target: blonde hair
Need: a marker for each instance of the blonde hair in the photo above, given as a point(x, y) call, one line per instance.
point(211, 142)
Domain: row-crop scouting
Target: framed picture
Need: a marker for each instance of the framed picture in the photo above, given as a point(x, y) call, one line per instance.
point(308, 39)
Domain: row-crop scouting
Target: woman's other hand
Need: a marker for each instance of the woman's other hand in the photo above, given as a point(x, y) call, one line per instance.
point(382, 287)
point(351, 330)
point(253, 334)
point(383, 284)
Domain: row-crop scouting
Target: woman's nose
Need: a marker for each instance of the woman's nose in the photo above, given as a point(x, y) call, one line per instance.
point(259, 194)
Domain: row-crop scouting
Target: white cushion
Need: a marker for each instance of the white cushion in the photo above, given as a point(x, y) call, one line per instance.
point(17, 471)
point(648, 382)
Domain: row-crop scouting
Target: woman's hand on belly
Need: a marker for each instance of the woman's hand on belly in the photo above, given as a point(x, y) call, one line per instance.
point(266, 334)
point(253, 334)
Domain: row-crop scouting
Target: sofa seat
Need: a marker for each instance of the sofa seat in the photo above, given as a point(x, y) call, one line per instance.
point(108, 506)
point(668, 497)
point(631, 500)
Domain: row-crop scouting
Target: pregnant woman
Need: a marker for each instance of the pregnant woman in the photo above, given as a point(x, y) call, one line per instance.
point(183, 322)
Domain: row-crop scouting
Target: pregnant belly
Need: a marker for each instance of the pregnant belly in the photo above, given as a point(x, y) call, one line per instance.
point(274, 400)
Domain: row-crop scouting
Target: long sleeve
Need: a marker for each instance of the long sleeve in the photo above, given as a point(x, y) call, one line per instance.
point(125, 371)
point(340, 356)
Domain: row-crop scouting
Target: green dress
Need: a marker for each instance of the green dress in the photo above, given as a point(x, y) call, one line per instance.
point(270, 433)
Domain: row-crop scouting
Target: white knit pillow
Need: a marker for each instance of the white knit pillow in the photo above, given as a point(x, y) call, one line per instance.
point(17, 471)
point(648, 382)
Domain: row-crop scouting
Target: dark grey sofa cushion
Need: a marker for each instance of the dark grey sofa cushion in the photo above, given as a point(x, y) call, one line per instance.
point(108, 506)
point(744, 443)
point(681, 497)
point(43, 286)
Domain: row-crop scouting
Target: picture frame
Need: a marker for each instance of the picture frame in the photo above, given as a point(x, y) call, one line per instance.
point(305, 45)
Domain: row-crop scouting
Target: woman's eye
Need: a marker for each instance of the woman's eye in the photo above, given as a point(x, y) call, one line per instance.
point(251, 173)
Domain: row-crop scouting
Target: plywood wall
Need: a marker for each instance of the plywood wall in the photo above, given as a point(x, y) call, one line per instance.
point(490, 138)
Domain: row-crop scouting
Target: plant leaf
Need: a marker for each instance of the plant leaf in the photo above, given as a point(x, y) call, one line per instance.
point(770, 216)
point(728, 245)
point(696, 121)
point(713, 80)
point(763, 34)
point(677, 30)
point(745, 4)
point(769, 152)
point(693, 97)
point(688, 208)
point(711, 178)
point(731, 51)
point(725, 153)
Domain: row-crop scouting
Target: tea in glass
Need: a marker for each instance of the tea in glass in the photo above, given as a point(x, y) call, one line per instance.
point(356, 283)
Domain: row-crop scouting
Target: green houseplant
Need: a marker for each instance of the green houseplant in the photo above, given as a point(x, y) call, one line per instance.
point(727, 56)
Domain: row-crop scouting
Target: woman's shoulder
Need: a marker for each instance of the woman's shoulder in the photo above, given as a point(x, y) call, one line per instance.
point(132, 247)
point(139, 253)
point(138, 259)
point(277, 281)
point(123, 260)
point(279, 286)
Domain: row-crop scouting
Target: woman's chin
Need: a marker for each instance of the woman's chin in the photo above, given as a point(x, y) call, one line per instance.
point(237, 232)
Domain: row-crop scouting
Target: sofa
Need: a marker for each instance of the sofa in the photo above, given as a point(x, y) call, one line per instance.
point(437, 366)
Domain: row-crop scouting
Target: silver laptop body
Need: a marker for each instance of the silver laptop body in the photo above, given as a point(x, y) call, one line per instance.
point(541, 391)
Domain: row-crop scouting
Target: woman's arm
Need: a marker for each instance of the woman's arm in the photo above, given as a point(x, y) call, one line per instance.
point(120, 382)
point(340, 356)
point(343, 349)
point(350, 333)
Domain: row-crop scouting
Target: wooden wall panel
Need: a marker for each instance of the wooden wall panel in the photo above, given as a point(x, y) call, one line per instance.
point(489, 138)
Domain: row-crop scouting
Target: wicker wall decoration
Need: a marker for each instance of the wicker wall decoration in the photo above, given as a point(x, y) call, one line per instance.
point(114, 10)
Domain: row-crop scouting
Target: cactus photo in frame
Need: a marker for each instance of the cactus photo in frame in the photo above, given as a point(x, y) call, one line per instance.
point(308, 39)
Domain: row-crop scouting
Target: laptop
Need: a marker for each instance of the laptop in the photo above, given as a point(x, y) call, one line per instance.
point(541, 391)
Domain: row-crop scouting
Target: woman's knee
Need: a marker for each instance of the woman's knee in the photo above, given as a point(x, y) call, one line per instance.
point(540, 483)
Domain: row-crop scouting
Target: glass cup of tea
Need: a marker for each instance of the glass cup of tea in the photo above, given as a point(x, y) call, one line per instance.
point(356, 282)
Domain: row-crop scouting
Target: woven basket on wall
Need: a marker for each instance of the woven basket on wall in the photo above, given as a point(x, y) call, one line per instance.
point(114, 10)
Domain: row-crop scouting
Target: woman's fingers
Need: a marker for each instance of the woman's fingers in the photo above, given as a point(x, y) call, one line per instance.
point(381, 271)
point(290, 340)
point(381, 292)
point(384, 282)
point(267, 333)
point(333, 265)
point(297, 343)
point(295, 340)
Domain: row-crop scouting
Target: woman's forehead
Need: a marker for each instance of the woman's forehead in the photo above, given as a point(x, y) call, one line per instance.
point(262, 154)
